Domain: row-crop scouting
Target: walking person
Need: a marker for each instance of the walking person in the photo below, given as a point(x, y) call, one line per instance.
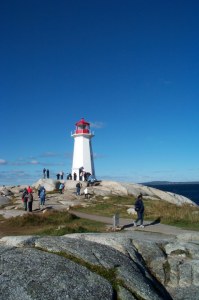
point(139, 208)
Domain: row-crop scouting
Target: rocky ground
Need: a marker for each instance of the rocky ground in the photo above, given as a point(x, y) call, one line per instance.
point(126, 265)
point(157, 262)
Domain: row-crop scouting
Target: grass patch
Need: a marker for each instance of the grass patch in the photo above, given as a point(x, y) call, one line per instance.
point(50, 223)
point(185, 216)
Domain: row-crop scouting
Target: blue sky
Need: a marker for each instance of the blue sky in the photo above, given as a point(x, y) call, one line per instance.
point(131, 68)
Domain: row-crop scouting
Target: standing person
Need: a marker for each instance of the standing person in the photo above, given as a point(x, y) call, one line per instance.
point(139, 208)
point(62, 175)
point(42, 196)
point(78, 188)
point(47, 173)
point(75, 176)
point(44, 173)
point(25, 198)
point(30, 199)
point(61, 188)
point(29, 190)
point(86, 193)
point(58, 175)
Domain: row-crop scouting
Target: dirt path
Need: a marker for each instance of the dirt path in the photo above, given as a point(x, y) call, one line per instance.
point(127, 224)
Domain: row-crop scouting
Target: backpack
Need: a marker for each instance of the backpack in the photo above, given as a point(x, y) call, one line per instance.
point(30, 197)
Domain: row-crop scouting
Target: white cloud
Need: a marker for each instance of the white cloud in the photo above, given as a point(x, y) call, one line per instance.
point(49, 154)
point(97, 125)
point(33, 162)
point(3, 162)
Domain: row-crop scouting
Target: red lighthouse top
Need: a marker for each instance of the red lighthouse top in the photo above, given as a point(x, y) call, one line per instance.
point(82, 126)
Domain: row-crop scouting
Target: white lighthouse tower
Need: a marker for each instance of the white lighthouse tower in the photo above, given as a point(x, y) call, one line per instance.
point(82, 154)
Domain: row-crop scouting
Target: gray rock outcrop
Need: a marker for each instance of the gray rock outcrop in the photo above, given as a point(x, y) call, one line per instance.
point(4, 201)
point(105, 188)
point(126, 265)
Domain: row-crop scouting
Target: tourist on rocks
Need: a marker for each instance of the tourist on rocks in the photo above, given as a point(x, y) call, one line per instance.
point(75, 176)
point(47, 173)
point(86, 194)
point(58, 176)
point(42, 196)
point(30, 201)
point(44, 173)
point(139, 208)
point(78, 188)
point(29, 189)
point(61, 188)
point(25, 198)
point(61, 175)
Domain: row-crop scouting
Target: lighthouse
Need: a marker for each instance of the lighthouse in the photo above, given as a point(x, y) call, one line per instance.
point(82, 154)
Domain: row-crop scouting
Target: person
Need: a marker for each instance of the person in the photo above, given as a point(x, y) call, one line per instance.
point(139, 208)
point(86, 194)
point(61, 188)
point(75, 176)
point(91, 180)
point(44, 173)
point(25, 198)
point(42, 196)
point(78, 188)
point(58, 175)
point(69, 177)
point(47, 173)
point(81, 173)
point(61, 175)
point(29, 190)
point(29, 199)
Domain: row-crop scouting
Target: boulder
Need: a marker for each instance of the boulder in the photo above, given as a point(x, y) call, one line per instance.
point(4, 200)
point(49, 184)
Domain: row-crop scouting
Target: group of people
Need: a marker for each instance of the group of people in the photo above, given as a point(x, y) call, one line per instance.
point(27, 198)
point(46, 173)
point(60, 175)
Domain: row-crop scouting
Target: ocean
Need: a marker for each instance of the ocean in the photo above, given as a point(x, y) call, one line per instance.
point(189, 190)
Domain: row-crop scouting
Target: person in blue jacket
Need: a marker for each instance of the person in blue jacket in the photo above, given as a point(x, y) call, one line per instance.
point(139, 208)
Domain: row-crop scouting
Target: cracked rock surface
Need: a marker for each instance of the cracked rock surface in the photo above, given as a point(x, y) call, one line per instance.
point(139, 266)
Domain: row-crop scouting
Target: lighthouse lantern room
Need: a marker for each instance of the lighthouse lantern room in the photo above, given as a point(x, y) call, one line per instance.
point(82, 154)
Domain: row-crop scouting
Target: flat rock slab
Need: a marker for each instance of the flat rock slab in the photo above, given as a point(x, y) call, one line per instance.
point(28, 274)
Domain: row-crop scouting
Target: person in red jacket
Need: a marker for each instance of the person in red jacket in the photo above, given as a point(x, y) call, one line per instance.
point(29, 189)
